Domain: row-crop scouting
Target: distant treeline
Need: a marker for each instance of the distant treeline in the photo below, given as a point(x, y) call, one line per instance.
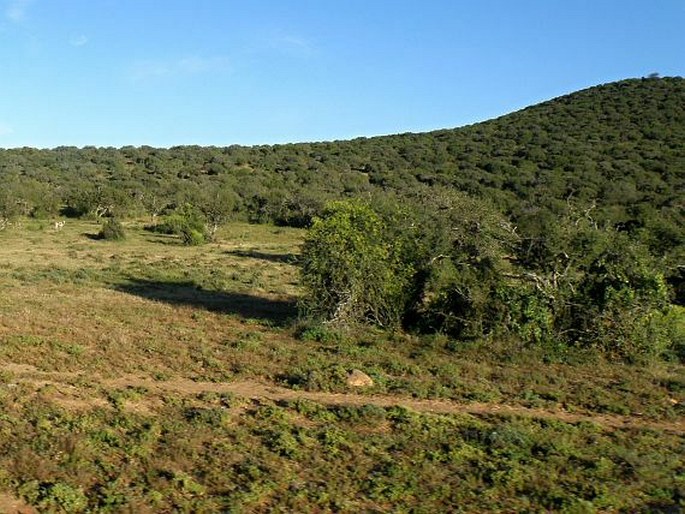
point(614, 153)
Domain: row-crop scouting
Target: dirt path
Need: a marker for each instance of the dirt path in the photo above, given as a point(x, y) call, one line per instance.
point(257, 390)
point(14, 505)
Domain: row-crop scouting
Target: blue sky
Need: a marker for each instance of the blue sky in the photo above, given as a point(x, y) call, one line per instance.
point(221, 72)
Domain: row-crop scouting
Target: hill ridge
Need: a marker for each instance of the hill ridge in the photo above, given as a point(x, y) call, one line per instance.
point(616, 148)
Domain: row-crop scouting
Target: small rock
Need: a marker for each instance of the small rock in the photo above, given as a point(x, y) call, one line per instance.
point(358, 378)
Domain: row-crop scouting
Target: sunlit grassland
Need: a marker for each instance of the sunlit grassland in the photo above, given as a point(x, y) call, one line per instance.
point(153, 307)
point(77, 313)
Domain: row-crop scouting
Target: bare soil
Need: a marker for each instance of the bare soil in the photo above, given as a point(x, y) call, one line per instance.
point(59, 388)
point(11, 505)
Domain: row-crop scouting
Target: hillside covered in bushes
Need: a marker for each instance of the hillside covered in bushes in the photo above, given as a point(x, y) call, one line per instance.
point(618, 145)
point(614, 151)
point(612, 155)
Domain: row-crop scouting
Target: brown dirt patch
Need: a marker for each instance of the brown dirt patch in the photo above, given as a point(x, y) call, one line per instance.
point(12, 505)
point(258, 390)
point(71, 397)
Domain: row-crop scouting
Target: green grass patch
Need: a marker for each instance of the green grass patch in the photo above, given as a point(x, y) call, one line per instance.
point(152, 308)
point(203, 455)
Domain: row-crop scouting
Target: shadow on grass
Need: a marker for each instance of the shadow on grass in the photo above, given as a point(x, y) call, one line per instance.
point(275, 312)
point(162, 239)
point(287, 258)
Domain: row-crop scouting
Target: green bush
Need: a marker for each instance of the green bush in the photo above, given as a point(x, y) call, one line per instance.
point(192, 237)
point(188, 223)
point(171, 225)
point(318, 332)
point(602, 290)
point(621, 301)
point(674, 323)
point(448, 263)
point(350, 270)
point(463, 261)
point(112, 230)
point(54, 497)
point(520, 309)
point(435, 263)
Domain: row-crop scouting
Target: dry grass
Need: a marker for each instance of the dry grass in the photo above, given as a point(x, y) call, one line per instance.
point(153, 307)
point(77, 304)
point(138, 376)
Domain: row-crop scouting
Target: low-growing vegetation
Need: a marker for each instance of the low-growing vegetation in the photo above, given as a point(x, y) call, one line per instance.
point(187, 329)
point(117, 364)
point(112, 230)
point(213, 453)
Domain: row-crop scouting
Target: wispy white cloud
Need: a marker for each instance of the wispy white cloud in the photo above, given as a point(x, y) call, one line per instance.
point(16, 10)
point(78, 40)
point(143, 70)
point(283, 44)
point(293, 45)
point(189, 65)
point(192, 65)
point(5, 130)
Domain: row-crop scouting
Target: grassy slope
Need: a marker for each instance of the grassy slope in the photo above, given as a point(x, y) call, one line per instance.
point(77, 314)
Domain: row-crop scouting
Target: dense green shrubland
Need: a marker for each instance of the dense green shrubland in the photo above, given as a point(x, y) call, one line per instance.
point(444, 262)
point(112, 230)
point(618, 146)
point(568, 224)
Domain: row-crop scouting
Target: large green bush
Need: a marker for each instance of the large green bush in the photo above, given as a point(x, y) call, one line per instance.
point(9, 206)
point(186, 222)
point(112, 230)
point(351, 272)
point(435, 263)
point(217, 204)
point(464, 259)
point(452, 264)
point(621, 300)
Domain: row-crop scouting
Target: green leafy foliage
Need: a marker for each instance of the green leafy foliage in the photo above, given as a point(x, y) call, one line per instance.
point(218, 205)
point(55, 497)
point(574, 176)
point(451, 266)
point(350, 270)
point(618, 145)
point(187, 222)
point(302, 456)
point(621, 299)
point(602, 287)
point(465, 248)
point(112, 230)
point(9, 206)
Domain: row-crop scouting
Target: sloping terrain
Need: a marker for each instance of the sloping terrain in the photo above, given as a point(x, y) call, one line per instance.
point(618, 144)
point(612, 152)
point(147, 376)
